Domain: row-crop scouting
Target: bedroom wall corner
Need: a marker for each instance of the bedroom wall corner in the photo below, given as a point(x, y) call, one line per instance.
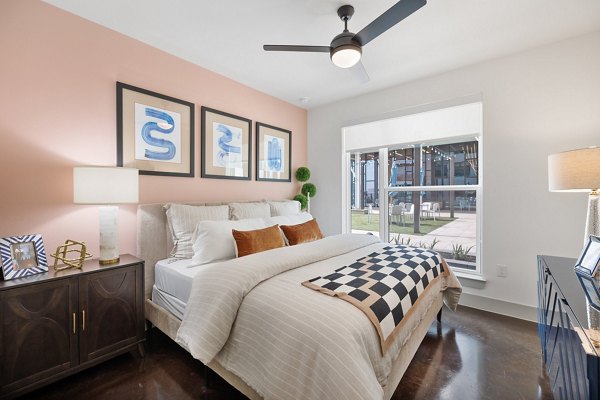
point(58, 110)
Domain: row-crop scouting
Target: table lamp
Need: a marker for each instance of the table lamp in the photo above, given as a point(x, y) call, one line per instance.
point(106, 186)
point(578, 171)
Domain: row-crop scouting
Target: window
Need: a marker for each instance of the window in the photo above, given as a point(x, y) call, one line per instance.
point(429, 192)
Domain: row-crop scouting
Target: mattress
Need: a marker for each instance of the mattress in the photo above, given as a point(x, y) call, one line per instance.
point(174, 277)
point(173, 283)
point(170, 303)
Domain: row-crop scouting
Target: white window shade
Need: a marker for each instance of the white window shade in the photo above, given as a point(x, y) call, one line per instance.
point(105, 185)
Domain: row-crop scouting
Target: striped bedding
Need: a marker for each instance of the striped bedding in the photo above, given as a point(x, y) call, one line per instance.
point(286, 341)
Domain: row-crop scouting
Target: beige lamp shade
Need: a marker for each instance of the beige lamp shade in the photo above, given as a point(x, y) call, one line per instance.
point(575, 170)
point(105, 185)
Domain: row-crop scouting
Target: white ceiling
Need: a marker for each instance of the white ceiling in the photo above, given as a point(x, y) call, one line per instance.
point(226, 36)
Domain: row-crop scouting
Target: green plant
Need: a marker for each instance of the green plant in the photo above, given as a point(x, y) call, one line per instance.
point(398, 240)
point(302, 199)
point(459, 252)
point(309, 189)
point(303, 174)
point(430, 246)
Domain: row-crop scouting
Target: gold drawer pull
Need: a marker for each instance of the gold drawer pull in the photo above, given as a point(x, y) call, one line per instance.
point(74, 323)
point(83, 318)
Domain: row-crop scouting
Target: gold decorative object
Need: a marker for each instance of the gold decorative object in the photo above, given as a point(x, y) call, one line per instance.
point(62, 251)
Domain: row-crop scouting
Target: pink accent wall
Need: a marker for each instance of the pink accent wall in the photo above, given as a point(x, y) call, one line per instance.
point(58, 109)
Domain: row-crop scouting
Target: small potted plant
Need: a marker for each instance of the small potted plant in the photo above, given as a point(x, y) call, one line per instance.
point(308, 189)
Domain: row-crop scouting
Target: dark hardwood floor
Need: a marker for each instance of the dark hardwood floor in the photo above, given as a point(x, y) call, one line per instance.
point(474, 355)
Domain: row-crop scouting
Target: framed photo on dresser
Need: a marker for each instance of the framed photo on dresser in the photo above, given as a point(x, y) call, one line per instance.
point(155, 132)
point(273, 153)
point(22, 256)
point(587, 269)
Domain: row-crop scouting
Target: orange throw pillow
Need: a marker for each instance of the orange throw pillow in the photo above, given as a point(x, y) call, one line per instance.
point(302, 233)
point(250, 242)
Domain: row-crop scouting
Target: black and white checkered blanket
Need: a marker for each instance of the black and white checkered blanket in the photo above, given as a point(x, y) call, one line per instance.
point(384, 285)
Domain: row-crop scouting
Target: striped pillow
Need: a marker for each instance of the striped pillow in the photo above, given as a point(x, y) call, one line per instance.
point(182, 220)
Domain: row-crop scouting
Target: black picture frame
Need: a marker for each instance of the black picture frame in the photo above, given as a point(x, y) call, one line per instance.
point(218, 162)
point(275, 169)
point(143, 143)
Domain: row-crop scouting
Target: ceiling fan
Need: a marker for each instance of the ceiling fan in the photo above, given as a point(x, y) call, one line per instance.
point(345, 49)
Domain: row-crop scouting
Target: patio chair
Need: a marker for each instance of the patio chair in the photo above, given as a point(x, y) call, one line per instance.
point(397, 214)
point(409, 210)
point(432, 209)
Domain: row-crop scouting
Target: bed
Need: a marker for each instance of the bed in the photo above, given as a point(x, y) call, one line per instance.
point(272, 337)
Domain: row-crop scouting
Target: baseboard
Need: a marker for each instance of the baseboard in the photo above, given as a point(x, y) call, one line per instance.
point(502, 307)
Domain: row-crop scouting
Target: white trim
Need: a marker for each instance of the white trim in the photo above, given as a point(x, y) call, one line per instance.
point(515, 310)
point(438, 188)
point(345, 189)
point(474, 276)
point(383, 199)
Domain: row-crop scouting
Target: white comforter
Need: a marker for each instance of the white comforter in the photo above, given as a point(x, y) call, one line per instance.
point(286, 341)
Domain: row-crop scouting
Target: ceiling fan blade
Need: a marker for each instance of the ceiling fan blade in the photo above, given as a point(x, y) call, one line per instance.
point(310, 49)
point(391, 17)
point(359, 73)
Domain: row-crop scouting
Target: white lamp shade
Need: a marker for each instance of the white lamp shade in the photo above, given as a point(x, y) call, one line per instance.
point(105, 185)
point(346, 56)
point(575, 170)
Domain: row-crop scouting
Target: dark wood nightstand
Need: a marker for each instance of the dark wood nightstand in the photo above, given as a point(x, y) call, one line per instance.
point(55, 324)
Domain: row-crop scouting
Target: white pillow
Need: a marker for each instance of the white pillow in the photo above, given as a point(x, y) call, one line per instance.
point(288, 207)
point(182, 220)
point(289, 219)
point(249, 210)
point(213, 240)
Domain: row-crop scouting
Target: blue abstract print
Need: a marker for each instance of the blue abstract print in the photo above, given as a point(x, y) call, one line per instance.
point(170, 149)
point(227, 149)
point(157, 134)
point(274, 154)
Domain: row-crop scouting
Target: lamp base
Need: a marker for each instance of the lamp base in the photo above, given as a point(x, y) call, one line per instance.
point(109, 235)
point(108, 262)
point(592, 225)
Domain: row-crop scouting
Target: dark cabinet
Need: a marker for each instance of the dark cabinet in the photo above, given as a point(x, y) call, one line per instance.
point(107, 298)
point(55, 324)
point(570, 358)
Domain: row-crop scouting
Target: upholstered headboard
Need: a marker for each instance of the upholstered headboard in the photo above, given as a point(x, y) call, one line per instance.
point(154, 240)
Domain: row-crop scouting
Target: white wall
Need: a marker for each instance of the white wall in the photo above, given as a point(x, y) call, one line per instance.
point(535, 103)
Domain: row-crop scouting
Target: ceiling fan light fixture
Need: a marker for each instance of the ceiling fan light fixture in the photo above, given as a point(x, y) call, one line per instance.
point(346, 56)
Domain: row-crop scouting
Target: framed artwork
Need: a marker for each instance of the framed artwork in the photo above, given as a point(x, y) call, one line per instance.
point(155, 133)
point(226, 145)
point(589, 260)
point(22, 256)
point(273, 153)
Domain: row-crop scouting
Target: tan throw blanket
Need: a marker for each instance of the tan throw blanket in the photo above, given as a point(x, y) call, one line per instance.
point(384, 285)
